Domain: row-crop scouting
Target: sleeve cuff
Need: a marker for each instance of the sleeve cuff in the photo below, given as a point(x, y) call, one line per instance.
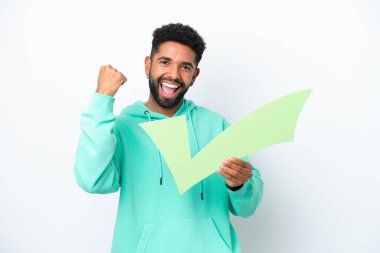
point(234, 188)
point(242, 192)
point(101, 103)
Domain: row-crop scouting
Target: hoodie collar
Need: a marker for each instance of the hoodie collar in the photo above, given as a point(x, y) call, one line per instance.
point(138, 108)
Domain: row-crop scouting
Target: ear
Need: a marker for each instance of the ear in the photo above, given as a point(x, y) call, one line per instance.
point(147, 65)
point(196, 73)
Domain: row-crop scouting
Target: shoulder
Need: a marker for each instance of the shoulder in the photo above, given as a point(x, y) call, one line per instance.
point(205, 116)
point(206, 112)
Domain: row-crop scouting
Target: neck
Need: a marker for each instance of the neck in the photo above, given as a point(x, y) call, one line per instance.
point(155, 107)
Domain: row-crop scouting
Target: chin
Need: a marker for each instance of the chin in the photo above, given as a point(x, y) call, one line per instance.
point(168, 103)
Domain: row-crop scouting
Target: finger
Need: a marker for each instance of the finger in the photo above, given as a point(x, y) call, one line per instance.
point(232, 181)
point(106, 67)
point(233, 173)
point(123, 79)
point(240, 162)
point(243, 170)
point(237, 167)
point(247, 172)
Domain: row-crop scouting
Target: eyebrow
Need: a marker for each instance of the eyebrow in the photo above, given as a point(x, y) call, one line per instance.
point(169, 59)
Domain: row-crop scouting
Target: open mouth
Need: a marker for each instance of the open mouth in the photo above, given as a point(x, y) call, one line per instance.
point(169, 90)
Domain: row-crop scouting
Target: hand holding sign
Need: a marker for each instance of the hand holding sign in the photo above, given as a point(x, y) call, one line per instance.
point(236, 171)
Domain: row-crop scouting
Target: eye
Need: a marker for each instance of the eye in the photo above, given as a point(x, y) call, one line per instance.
point(187, 67)
point(164, 62)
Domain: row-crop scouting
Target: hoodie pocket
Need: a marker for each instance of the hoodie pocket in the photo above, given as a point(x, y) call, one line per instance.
point(185, 236)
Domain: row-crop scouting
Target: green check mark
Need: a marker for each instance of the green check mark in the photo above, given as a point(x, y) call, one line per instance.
point(271, 124)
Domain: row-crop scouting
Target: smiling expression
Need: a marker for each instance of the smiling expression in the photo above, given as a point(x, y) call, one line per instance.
point(171, 72)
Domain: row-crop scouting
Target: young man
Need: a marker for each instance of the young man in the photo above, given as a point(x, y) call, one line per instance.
point(115, 153)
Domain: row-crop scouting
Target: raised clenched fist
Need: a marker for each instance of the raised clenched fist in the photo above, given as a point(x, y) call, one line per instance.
point(109, 80)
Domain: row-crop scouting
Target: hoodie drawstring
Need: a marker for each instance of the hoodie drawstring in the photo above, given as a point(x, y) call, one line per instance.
point(146, 112)
point(158, 152)
point(195, 141)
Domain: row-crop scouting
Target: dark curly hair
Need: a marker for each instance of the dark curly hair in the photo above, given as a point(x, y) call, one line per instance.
point(180, 33)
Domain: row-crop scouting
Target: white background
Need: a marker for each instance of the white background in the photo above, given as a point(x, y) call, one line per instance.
point(321, 192)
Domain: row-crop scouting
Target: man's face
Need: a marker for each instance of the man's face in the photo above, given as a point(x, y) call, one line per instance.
point(171, 72)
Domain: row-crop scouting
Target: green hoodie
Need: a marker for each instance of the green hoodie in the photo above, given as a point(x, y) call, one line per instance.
point(115, 153)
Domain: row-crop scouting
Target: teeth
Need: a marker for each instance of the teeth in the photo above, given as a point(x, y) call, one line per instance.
point(170, 85)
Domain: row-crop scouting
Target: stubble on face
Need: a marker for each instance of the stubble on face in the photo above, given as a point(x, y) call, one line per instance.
point(154, 86)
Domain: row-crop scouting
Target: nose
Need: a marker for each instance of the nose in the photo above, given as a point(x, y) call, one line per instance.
point(174, 72)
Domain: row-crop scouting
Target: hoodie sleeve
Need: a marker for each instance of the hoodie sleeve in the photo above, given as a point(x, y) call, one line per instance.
point(97, 159)
point(244, 201)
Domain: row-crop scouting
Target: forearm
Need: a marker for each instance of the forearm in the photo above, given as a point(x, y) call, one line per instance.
point(244, 201)
point(96, 166)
